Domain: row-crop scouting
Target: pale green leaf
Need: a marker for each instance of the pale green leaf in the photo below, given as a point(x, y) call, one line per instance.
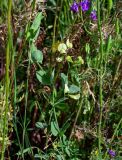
point(54, 128)
point(75, 96)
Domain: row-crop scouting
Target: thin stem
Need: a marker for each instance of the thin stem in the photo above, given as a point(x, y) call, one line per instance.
point(7, 79)
point(54, 28)
point(76, 118)
point(101, 78)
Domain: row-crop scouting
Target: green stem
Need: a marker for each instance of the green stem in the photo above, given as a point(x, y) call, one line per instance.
point(101, 79)
point(7, 79)
point(54, 28)
point(76, 118)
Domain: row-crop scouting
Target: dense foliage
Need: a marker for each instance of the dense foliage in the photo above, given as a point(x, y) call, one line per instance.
point(60, 79)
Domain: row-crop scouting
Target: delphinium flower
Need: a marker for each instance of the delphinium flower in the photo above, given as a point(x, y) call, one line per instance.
point(93, 15)
point(74, 7)
point(85, 5)
point(112, 153)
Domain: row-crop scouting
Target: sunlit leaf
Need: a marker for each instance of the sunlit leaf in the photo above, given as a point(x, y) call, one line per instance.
point(75, 96)
point(74, 89)
point(66, 88)
point(69, 59)
point(41, 125)
point(36, 55)
point(37, 22)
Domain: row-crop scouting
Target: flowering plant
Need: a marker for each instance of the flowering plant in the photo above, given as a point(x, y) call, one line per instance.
point(85, 6)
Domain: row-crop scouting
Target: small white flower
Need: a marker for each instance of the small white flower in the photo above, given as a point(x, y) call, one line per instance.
point(62, 48)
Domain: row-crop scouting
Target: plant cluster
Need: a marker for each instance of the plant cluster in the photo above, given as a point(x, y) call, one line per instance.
point(60, 80)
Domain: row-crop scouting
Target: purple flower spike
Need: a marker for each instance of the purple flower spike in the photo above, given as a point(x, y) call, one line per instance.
point(85, 5)
point(112, 153)
point(93, 15)
point(74, 7)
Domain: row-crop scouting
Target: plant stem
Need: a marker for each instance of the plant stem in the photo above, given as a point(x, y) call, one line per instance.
point(76, 118)
point(101, 79)
point(7, 79)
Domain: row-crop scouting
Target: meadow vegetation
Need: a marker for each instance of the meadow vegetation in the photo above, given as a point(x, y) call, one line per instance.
point(60, 80)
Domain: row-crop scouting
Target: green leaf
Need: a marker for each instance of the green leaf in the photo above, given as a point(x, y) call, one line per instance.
point(52, 76)
point(64, 78)
point(36, 55)
point(40, 74)
point(79, 61)
point(109, 44)
point(66, 88)
point(53, 2)
point(69, 44)
point(74, 89)
point(69, 59)
point(62, 106)
point(87, 48)
point(60, 157)
point(41, 125)
point(54, 128)
point(75, 96)
point(67, 151)
point(110, 5)
point(43, 77)
point(37, 22)
point(27, 150)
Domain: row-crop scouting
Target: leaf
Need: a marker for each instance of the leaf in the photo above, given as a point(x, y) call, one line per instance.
point(67, 151)
point(53, 2)
point(79, 61)
point(69, 44)
point(69, 59)
point(43, 77)
point(62, 106)
point(54, 128)
point(41, 125)
point(60, 157)
point(39, 75)
point(74, 89)
point(108, 45)
point(37, 22)
point(87, 48)
point(66, 88)
point(27, 150)
point(75, 96)
point(36, 55)
point(64, 78)
point(52, 76)
point(110, 5)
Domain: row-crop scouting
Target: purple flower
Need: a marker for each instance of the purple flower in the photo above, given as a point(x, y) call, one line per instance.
point(93, 15)
point(112, 153)
point(85, 4)
point(74, 7)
